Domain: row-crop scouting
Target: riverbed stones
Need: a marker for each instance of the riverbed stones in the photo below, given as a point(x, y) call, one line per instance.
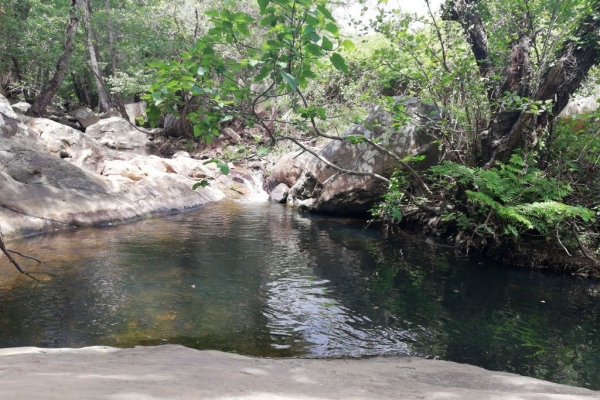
point(70, 144)
point(321, 188)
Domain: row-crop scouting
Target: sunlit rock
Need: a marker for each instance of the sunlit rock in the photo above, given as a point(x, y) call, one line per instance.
point(117, 133)
point(322, 188)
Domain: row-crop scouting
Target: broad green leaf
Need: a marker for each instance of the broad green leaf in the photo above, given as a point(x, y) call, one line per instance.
point(263, 4)
point(325, 12)
point(348, 44)
point(338, 62)
point(223, 167)
point(332, 28)
point(314, 49)
point(290, 80)
point(327, 44)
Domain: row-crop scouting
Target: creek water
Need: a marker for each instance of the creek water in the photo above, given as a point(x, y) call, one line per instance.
point(263, 280)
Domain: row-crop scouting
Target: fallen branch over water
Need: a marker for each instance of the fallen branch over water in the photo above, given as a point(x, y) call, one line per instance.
point(14, 262)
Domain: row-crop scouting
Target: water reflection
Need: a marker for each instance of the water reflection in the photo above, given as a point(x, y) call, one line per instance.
point(260, 279)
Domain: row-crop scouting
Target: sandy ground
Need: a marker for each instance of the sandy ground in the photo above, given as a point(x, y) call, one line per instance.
point(176, 372)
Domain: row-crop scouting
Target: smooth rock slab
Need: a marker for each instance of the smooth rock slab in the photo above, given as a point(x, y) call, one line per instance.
point(117, 133)
point(176, 372)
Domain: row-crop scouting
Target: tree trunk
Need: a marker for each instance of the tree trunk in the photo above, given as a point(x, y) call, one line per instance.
point(508, 128)
point(465, 13)
point(49, 90)
point(103, 98)
point(113, 55)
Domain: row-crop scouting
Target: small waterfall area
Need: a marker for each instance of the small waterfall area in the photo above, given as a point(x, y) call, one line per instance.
point(255, 184)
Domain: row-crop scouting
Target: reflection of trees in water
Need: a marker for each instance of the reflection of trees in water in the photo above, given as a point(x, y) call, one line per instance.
point(500, 319)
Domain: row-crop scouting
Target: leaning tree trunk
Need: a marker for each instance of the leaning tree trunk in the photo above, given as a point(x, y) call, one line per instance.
point(508, 128)
point(103, 99)
point(49, 90)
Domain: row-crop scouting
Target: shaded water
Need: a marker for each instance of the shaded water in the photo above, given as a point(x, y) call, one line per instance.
point(260, 279)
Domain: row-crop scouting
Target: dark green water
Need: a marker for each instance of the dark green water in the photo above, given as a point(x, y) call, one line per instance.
point(263, 280)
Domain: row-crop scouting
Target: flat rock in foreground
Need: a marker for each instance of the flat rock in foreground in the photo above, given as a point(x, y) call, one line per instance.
point(176, 372)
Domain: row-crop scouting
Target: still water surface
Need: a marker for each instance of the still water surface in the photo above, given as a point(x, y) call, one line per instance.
point(260, 279)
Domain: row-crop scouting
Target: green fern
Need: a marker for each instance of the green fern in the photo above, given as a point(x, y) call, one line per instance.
point(502, 202)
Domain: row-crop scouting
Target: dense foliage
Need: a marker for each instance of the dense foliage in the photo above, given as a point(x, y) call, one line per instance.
point(503, 71)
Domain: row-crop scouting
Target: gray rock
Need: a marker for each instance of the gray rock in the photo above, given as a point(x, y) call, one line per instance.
point(135, 111)
point(181, 154)
point(232, 135)
point(280, 193)
point(85, 116)
point(21, 107)
point(52, 177)
point(320, 188)
point(287, 170)
point(113, 112)
point(117, 133)
point(68, 143)
point(10, 124)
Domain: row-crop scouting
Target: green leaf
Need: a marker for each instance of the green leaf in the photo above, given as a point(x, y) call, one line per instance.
point(263, 4)
point(314, 49)
point(332, 28)
point(326, 44)
point(220, 164)
point(325, 12)
point(290, 80)
point(262, 151)
point(201, 71)
point(223, 167)
point(203, 183)
point(226, 118)
point(397, 214)
point(338, 62)
point(348, 45)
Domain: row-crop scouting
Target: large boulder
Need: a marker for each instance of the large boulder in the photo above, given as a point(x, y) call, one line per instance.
point(85, 116)
point(321, 189)
point(287, 170)
point(10, 124)
point(70, 144)
point(53, 177)
point(118, 133)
